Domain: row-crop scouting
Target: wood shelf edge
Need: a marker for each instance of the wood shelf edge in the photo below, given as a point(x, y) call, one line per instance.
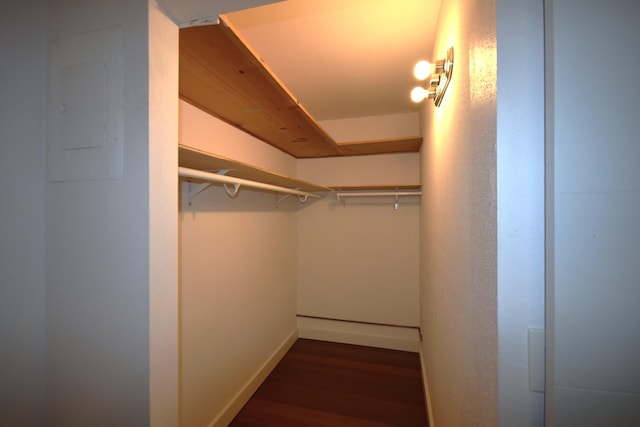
point(408, 144)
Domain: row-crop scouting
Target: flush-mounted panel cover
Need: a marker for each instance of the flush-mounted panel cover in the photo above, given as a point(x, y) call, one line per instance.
point(84, 107)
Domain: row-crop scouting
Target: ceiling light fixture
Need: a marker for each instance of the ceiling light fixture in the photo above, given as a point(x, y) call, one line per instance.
point(438, 81)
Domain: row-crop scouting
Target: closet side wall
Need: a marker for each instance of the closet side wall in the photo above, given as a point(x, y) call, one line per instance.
point(238, 280)
point(358, 259)
point(459, 223)
point(97, 221)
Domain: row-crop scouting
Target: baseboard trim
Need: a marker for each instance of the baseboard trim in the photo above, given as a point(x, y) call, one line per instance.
point(369, 334)
point(242, 397)
point(425, 384)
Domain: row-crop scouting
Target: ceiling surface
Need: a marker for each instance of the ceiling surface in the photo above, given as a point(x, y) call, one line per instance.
point(340, 59)
point(343, 59)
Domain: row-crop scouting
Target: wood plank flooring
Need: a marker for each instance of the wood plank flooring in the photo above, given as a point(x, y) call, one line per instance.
point(329, 384)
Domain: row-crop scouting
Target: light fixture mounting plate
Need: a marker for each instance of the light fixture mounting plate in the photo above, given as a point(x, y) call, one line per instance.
point(445, 78)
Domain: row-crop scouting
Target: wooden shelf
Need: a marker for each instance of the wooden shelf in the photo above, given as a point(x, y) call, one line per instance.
point(222, 75)
point(382, 146)
point(197, 159)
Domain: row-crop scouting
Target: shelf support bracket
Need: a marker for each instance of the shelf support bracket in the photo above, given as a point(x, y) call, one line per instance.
point(198, 189)
point(281, 199)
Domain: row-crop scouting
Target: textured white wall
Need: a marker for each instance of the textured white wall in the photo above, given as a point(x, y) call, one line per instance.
point(359, 260)
point(22, 294)
point(520, 153)
point(97, 249)
point(238, 295)
point(459, 224)
point(593, 293)
point(238, 288)
point(386, 169)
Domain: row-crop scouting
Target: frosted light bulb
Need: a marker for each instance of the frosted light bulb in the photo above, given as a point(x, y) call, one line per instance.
point(418, 94)
point(422, 70)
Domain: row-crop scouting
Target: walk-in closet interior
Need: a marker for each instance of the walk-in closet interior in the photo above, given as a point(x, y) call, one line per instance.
point(328, 249)
point(187, 187)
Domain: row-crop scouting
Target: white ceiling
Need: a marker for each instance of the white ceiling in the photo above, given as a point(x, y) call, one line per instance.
point(339, 58)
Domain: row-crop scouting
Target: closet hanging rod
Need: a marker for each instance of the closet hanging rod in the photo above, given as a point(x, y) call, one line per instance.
point(214, 177)
point(378, 194)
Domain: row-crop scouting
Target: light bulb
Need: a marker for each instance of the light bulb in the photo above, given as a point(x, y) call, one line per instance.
point(422, 70)
point(418, 94)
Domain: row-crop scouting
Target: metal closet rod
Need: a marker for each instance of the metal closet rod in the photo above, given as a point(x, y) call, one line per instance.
point(214, 177)
point(378, 194)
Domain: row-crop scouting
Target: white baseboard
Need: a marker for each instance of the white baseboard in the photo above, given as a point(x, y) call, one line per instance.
point(242, 397)
point(427, 395)
point(382, 336)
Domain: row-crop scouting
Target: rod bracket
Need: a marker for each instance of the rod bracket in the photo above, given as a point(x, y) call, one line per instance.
point(231, 192)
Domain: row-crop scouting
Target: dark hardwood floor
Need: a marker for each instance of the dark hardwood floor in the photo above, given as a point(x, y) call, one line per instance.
point(328, 384)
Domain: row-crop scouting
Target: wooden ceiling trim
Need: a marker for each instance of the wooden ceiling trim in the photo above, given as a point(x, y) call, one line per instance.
point(220, 74)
